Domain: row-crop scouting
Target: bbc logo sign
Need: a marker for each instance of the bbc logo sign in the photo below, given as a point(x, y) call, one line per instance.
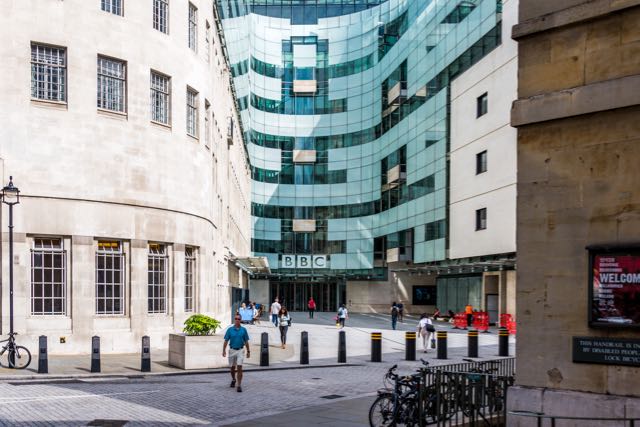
point(304, 261)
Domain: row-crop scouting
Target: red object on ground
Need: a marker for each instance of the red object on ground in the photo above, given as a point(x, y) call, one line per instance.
point(511, 326)
point(481, 321)
point(505, 318)
point(460, 321)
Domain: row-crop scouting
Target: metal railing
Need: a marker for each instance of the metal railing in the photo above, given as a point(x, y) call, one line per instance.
point(470, 393)
point(540, 416)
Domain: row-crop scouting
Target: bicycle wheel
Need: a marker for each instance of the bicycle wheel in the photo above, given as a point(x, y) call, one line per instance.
point(22, 358)
point(381, 412)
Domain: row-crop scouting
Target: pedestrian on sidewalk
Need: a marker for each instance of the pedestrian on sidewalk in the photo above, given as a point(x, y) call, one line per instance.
point(426, 330)
point(311, 305)
point(237, 337)
point(285, 321)
point(469, 312)
point(343, 315)
point(401, 312)
point(394, 315)
point(275, 309)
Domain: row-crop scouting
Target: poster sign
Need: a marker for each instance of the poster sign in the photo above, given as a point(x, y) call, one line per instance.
point(608, 351)
point(425, 295)
point(615, 288)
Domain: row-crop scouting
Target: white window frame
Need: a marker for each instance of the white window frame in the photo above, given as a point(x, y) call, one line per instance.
point(190, 275)
point(48, 72)
point(115, 7)
point(161, 15)
point(193, 27)
point(157, 271)
point(111, 84)
point(192, 112)
point(160, 88)
point(207, 40)
point(52, 248)
point(110, 252)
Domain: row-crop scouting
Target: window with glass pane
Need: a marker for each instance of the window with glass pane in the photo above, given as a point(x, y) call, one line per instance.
point(48, 277)
point(193, 27)
point(161, 15)
point(112, 6)
point(109, 278)
point(48, 73)
point(481, 162)
point(207, 41)
point(112, 80)
point(157, 279)
point(192, 112)
point(189, 278)
point(207, 124)
point(481, 219)
point(160, 98)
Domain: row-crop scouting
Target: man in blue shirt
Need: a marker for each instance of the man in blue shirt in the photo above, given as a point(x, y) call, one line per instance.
point(237, 337)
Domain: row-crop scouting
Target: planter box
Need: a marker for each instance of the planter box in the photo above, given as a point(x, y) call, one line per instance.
point(196, 352)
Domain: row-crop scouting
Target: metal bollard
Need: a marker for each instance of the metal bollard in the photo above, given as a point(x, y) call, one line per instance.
point(43, 361)
point(442, 344)
point(95, 354)
point(472, 343)
point(342, 347)
point(410, 346)
point(503, 342)
point(145, 363)
point(376, 346)
point(264, 349)
point(304, 348)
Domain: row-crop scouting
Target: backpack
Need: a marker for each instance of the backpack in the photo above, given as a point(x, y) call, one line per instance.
point(394, 311)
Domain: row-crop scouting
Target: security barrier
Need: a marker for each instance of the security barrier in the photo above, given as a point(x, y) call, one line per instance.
point(481, 321)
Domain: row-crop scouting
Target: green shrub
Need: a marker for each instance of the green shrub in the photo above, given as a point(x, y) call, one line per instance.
point(199, 324)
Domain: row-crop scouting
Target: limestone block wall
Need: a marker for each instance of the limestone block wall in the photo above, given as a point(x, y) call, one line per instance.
point(578, 134)
point(87, 174)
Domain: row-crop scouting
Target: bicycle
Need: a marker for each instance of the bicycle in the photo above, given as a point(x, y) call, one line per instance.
point(14, 356)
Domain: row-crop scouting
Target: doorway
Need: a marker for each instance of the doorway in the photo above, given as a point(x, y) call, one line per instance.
point(294, 294)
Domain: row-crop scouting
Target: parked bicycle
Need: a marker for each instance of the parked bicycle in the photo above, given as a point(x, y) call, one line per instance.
point(401, 404)
point(14, 356)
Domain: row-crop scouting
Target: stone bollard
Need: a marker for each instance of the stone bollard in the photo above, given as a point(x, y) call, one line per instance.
point(43, 356)
point(145, 363)
point(95, 354)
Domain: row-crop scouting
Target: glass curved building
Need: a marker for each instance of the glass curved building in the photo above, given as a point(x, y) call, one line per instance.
point(345, 111)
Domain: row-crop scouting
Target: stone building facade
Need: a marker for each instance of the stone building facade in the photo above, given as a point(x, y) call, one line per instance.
point(578, 149)
point(119, 128)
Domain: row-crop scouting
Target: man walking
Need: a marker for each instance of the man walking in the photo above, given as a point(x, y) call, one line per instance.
point(237, 337)
point(275, 309)
point(394, 315)
point(311, 305)
point(343, 315)
point(469, 312)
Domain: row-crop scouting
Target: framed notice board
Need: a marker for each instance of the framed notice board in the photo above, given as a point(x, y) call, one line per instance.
point(614, 286)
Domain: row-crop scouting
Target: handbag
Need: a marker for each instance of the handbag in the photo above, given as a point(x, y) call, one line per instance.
point(430, 327)
point(433, 343)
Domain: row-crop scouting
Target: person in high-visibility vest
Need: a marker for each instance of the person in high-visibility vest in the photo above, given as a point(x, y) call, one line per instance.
point(469, 312)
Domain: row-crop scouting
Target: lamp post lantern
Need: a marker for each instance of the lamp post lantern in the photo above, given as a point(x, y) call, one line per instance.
point(11, 196)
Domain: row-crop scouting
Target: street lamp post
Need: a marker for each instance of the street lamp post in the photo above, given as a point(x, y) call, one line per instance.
point(11, 196)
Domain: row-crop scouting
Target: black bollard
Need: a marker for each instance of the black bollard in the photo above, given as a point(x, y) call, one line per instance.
point(410, 346)
point(473, 343)
point(264, 349)
point(442, 344)
point(376, 346)
point(304, 348)
point(95, 354)
point(342, 347)
point(43, 361)
point(503, 342)
point(145, 363)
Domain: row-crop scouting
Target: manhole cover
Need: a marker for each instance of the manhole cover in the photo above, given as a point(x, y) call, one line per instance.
point(331, 396)
point(107, 423)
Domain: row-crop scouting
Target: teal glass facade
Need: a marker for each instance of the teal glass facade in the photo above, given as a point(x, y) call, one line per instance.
point(376, 119)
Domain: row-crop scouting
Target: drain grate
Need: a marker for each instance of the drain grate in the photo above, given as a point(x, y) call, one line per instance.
point(107, 423)
point(316, 378)
point(331, 396)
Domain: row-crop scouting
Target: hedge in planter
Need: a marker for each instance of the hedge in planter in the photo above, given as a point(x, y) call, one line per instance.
point(199, 324)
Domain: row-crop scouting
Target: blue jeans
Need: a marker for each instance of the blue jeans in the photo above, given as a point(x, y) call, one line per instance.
point(394, 321)
point(274, 319)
